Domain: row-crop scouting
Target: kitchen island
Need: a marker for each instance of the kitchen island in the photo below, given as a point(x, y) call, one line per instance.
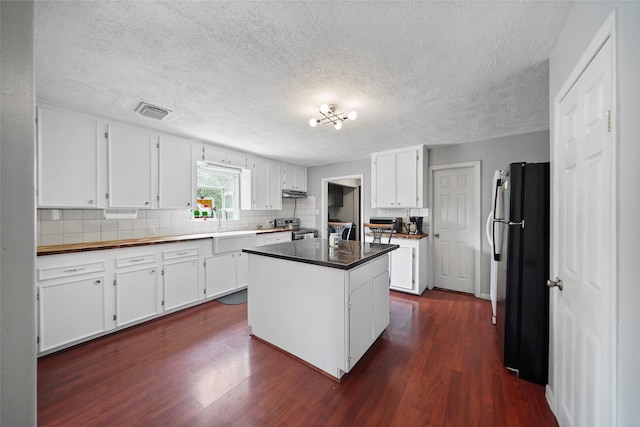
point(325, 306)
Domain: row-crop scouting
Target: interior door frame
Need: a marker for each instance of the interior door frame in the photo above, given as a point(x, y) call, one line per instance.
point(607, 32)
point(477, 240)
point(322, 232)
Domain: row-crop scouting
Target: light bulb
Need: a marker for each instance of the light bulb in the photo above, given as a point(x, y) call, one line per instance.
point(337, 125)
point(313, 122)
point(324, 108)
point(352, 115)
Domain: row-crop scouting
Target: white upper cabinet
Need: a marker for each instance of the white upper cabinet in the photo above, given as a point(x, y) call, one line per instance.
point(398, 178)
point(294, 177)
point(213, 154)
point(132, 166)
point(69, 161)
point(266, 188)
point(175, 177)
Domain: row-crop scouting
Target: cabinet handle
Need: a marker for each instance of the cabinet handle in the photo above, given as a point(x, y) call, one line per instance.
point(152, 271)
point(195, 262)
point(146, 203)
point(136, 260)
point(188, 204)
point(391, 203)
point(182, 253)
point(98, 282)
point(73, 270)
point(91, 202)
point(239, 254)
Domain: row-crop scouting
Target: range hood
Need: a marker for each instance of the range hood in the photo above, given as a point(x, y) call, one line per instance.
point(293, 194)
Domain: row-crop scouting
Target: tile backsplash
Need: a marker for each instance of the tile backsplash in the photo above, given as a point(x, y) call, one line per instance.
point(62, 226)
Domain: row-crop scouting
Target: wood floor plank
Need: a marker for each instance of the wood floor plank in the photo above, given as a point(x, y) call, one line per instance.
point(436, 364)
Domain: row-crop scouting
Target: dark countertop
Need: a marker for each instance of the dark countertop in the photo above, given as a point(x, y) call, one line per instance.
point(347, 255)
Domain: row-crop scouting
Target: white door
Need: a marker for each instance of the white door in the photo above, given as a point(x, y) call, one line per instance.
point(454, 229)
point(582, 243)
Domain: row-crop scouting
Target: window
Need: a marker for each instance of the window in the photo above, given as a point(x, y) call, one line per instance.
point(222, 185)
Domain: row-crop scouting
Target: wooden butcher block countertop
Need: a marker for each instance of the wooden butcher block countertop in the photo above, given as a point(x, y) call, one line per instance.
point(127, 243)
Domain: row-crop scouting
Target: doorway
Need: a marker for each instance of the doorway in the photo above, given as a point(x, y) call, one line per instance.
point(455, 192)
point(343, 201)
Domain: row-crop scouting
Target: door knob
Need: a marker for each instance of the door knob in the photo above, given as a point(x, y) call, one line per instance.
point(554, 283)
point(437, 235)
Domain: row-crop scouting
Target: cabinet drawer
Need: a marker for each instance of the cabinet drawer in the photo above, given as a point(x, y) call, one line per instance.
point(380, 265)
point(135, 260)
point(182, 253)
point(272, 239)
point(359, 276)
point(70, 270)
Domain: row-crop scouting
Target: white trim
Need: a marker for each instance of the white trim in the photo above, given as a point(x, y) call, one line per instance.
point(606, 32)
point(324, 210)
point(477, 241)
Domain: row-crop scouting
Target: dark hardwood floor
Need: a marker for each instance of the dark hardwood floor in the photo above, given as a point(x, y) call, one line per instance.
point(436, 364)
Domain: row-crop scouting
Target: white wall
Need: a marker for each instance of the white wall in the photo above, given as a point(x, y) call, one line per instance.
point(493, 154)
point(583, 21)
point(17, 217)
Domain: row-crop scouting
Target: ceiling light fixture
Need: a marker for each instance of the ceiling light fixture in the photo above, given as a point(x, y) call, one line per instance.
point(329, 115)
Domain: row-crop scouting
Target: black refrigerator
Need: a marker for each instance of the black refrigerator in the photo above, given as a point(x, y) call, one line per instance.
point(521, 226)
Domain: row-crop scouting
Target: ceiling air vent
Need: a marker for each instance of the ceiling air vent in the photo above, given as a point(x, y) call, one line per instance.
point(152, 111)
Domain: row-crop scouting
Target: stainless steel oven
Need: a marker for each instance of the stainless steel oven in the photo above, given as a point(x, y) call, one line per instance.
point(293, 224)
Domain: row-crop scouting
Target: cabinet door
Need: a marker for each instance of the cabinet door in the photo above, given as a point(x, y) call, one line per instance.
point(275, 188)
point(402, 268)
point(406, 179)
point(214, 154)
point(130, 167)
point(260, 187)
point(242, 271)
point(70, 311)
point(381, 314)
point(175, 173)
point(180, 283)
point(220, 274)
point(300, 178)
point(237, 160)
point(137, 295)
point(68, 164)
point(385, 180)
point(360, 322)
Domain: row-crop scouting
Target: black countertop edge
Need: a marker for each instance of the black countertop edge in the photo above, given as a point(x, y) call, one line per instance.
point(385, 249)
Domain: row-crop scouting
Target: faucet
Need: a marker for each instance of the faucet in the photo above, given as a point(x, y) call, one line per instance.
point(226, 217)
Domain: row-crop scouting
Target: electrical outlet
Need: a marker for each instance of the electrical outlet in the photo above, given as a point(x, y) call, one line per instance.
point(151, 230)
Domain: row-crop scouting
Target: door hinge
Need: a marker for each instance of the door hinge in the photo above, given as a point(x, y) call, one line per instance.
point(106, 135)
point(205, 291)
point(157, 145)
point(158, 198)
point(114, 317)
point(608, 120)
point(162, 272)
point(162, 303)
point(37, 340)
point(349, 305)
point(114, 282)
point(106, 195)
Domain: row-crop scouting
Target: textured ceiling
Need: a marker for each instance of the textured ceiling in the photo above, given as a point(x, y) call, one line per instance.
point(250, 75)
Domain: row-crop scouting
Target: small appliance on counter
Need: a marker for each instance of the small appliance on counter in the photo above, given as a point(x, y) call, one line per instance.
point(415, 225)
point(387, 220)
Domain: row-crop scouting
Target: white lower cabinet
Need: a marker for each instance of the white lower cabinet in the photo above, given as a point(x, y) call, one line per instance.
point(88, 294)
point(368, 306)
point(137, 295)
point(220, 272)
point(407, 264)
point(225, 273)
point(73, 300)
point(181, 278)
